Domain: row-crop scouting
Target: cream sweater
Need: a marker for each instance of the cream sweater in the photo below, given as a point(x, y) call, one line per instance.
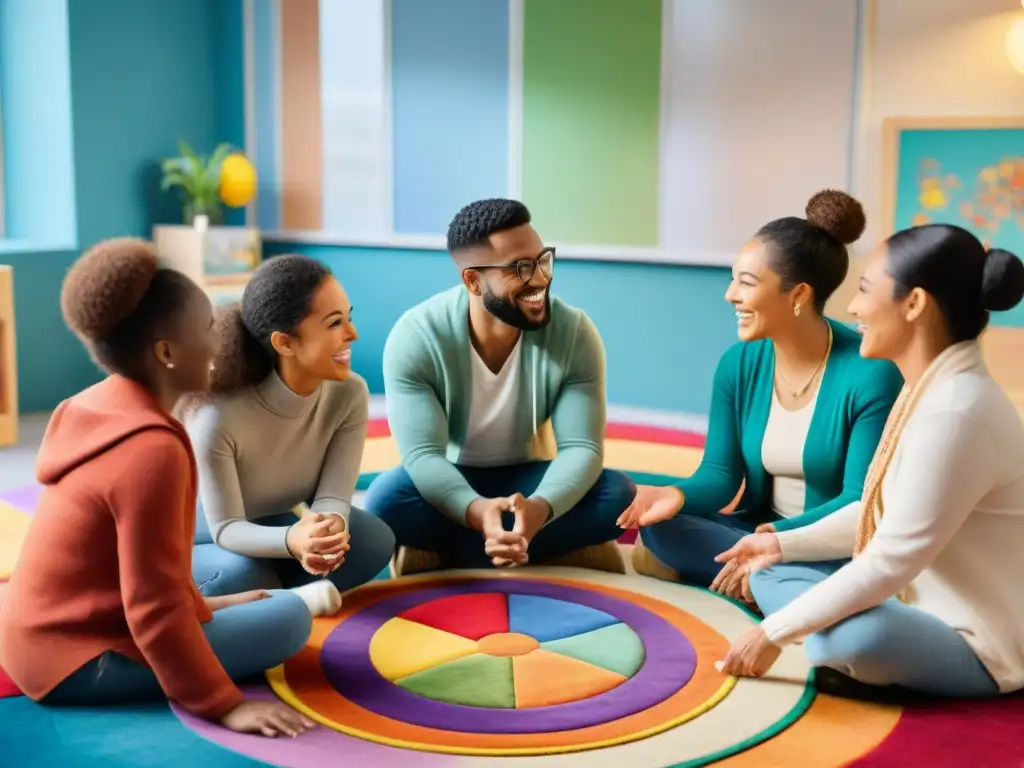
point(265, 449)
point(953, 529)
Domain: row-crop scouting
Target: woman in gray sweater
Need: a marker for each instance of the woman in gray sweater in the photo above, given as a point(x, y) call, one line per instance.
point(283, 433)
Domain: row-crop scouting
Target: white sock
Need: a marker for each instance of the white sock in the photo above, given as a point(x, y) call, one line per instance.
point(322, 597)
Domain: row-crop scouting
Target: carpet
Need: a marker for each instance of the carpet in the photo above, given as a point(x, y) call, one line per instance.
point(542, 662)
point(542, 666)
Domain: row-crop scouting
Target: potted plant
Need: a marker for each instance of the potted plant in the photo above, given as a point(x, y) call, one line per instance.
point(201, 247)
point(198, 180)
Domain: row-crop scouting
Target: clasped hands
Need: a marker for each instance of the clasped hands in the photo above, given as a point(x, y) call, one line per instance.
point(319, 542)
point(508, 548)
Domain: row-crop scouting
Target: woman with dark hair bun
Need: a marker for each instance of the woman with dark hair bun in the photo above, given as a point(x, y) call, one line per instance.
point(796, 413)
point(931, 600)
point(283, 432)
point(101, 607)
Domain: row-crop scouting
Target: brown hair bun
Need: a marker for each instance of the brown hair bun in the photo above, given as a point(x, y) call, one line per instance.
point(837, 213)
point(106, 284)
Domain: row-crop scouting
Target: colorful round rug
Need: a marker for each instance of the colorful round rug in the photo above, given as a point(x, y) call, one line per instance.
point(542, 662)
point(539, 665)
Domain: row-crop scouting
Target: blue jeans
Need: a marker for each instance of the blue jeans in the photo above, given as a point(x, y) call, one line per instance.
point(393, 498)
point(218, 571)
point(248, 639)
point(689, 543)
point(891, 644)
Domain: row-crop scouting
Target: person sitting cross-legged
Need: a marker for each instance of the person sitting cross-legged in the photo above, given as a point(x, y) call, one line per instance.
point(796, 412)
point(101, 609)
point(915, 587)
point(281, 432)
point(496, 399)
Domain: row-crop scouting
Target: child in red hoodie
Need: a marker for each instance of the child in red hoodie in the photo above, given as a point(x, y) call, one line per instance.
point(101, 606)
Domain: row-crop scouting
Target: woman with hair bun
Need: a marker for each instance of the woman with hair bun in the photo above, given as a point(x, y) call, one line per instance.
point(101, 607)
point(918, 583)
point(796, 413)
point(284, 428)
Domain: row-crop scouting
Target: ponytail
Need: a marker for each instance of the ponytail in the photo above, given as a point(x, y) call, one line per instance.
point(240, 360)
point(278, 297)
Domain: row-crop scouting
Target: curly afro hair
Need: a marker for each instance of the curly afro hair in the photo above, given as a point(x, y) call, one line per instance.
point(278, 297)
point(813, 250)
point(838, 214)
point(475, 223)
point(118, 301)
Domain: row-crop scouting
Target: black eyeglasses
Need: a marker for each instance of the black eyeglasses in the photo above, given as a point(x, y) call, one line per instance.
point(525, 268)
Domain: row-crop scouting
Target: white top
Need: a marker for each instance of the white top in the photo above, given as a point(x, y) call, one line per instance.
point(782, 454)
point(953, 529)
point(492, 413)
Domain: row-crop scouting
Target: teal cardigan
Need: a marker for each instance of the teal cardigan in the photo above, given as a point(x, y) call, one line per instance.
point(854, 400)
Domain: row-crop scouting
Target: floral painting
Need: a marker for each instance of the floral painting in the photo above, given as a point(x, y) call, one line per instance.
point(971, 177)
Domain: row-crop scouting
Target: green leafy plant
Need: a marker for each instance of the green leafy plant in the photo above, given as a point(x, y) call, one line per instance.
point(198, 181)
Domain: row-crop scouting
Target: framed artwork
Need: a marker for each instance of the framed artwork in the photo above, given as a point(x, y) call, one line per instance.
point(963, 171)
point(231, 252)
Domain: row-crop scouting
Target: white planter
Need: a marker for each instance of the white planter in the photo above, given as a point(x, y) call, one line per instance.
point(212, 256)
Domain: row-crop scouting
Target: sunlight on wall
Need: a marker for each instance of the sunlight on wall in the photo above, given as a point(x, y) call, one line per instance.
point(1015, 44)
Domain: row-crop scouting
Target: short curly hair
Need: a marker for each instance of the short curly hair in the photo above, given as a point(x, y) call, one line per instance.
point(278, 297)
point(118, 300)
point(475, 223)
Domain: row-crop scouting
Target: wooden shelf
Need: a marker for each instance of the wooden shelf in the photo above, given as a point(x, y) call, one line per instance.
point(8, 360)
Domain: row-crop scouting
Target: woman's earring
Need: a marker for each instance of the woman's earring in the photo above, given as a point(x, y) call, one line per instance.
point(796, 310)
point(170, 365)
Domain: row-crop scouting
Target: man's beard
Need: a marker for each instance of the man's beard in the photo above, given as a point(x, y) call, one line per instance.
point(510, 313)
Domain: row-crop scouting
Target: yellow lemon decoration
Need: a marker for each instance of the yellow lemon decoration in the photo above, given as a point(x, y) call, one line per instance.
point(237, 180)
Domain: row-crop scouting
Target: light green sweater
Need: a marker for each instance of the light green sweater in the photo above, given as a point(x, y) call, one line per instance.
point(428, 383)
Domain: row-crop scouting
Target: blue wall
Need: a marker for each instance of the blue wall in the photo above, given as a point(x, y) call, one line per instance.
point(664, 327)
point(144, 74)
point(36, 92)
point(450, 142)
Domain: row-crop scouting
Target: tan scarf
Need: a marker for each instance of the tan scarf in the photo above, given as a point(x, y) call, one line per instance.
point(953, 360)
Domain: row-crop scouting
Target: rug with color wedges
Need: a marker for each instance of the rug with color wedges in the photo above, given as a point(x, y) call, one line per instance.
point(539, 666)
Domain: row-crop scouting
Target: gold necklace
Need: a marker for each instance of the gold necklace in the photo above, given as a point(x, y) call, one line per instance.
point(796, 394)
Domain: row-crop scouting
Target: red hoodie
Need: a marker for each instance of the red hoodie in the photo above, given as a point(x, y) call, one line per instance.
point(107, 562)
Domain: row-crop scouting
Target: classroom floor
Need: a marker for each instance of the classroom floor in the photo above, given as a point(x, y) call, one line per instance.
point(820, 730)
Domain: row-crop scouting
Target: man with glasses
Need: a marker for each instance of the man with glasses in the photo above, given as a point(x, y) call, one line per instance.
point(496, 399)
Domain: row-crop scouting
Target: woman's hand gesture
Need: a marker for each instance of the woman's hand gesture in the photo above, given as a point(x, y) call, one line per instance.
point(651, 505)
